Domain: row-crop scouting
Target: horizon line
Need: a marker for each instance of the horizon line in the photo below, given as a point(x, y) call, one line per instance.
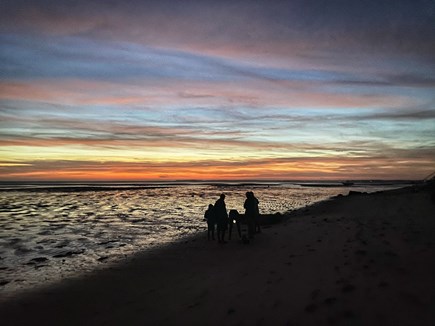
point(210, 180)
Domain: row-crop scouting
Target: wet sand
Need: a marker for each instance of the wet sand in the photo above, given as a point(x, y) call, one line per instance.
point(362, 259)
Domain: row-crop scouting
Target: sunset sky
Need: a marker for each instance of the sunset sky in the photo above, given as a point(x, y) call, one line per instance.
point(165, 90)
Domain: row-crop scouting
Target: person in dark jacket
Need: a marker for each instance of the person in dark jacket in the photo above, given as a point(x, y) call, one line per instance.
point(251, 213)
point(211, 221)
point(220, 211)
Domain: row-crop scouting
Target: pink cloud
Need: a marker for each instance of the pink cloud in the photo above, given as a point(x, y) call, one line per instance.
point(254, 93)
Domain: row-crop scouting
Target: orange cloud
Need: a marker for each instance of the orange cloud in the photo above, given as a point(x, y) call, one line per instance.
point(260, 169)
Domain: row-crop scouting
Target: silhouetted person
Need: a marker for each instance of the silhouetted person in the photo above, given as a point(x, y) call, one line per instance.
point(251, 213)
point(220, 211)
point(209, 216)
point(257, 228)
point(234, 216)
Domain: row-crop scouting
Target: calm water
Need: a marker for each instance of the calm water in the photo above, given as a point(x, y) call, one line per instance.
point(47, 235)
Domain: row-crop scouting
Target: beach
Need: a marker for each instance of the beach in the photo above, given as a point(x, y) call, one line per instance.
point(51, 232)
point(359, 259)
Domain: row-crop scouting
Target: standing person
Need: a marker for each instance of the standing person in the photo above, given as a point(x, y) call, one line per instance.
point(251, 213)
point(220, 211)
point(209, 216)
point(256, 214)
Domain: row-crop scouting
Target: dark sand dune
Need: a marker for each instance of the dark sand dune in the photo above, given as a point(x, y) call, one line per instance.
point(355, 260)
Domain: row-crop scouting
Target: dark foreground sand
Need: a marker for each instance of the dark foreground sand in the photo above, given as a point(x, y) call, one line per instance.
point(355, 260)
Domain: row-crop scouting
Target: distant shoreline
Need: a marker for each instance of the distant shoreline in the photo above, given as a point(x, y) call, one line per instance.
point(114, 186)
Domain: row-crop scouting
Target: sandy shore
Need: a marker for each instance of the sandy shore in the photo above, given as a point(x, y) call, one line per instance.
point(362, 259)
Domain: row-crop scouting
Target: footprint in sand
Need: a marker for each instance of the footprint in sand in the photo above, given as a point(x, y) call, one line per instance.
point(348, 288)
point(348, 314)
point(196, 304)
point(311, 308)
point(383, 284)
point(330, 300)
point(391, 253)
point(315, 294)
